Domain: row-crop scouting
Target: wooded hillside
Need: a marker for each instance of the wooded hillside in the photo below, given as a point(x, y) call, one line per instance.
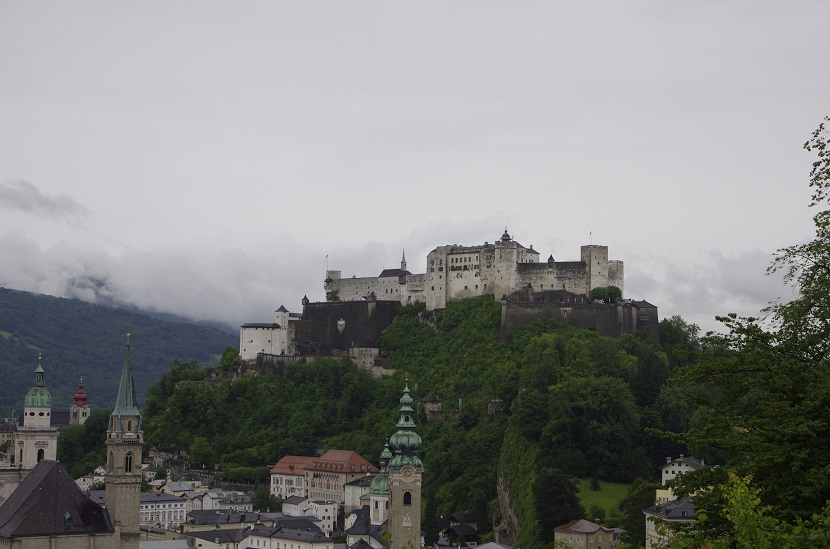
point(79, 339)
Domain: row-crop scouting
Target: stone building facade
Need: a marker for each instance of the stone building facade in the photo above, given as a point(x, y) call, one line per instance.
point(456, 272)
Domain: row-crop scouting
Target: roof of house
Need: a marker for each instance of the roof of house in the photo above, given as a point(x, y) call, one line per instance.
point(462, 530)
point(208, 516)
point(493, 545)
point(363, 525)
point(151, 497)
point(179, 486)
point(294, 534)
point(229, 535)
point(580, 526)
point(686, 460)
point(49, 502)
point(676, 510)
point(164, 544)
point(362, 481)
point(392, 272)
point(292, 465)
point(463, 518)
point(294, 500)
point(272, 325)
point(341, 461)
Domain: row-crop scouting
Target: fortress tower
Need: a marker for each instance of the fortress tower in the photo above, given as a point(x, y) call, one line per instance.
point(123, 477)
point(405, 472)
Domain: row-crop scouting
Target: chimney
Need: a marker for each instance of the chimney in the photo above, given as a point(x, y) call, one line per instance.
point(668, 459)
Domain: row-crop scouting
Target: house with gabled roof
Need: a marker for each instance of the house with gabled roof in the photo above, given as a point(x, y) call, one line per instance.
point(583, 534)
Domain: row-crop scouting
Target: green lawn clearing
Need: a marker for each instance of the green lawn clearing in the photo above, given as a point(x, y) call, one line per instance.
point(608, 497)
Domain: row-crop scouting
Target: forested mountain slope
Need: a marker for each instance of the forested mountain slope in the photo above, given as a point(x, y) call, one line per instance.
point(79, 339)
point(559, 398)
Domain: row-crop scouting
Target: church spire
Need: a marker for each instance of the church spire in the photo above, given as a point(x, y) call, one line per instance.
point(403, 260)
point(126, 404)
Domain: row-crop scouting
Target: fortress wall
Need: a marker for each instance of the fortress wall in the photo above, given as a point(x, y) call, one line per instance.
point(604, 319)
point(354, 289)
point(463, 284)
point(321, 332)
point(568, 276)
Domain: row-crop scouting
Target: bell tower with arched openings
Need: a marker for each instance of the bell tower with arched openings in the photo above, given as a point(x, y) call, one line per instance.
point(123, 477)
point(405, 471)
point(35, 438)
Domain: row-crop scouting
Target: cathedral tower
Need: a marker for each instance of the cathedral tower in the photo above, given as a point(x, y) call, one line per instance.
point(36, 439)
point(405, 471)
point(123, 477)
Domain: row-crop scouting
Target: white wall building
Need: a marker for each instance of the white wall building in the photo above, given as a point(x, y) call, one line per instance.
point(271, 338)
point(288, 476)
point(162, 510)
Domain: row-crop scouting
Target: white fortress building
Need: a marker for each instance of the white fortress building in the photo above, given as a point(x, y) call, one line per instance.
point(458, 272)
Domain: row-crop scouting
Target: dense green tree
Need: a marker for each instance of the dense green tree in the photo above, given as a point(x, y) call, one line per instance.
point(680, 340)
point(201, 453)
point(263, 500)
point(593, 424)
point(556, 501)
point(81, 447)
point(230, 358)
point(765, 408)
point(640, 496)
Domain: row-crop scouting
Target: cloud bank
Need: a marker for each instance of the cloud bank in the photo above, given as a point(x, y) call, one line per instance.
point(26, 197)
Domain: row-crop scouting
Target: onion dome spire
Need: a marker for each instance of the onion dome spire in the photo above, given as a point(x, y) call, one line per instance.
point(405, 442)
point(380, 482)
point(38, 395)
point(80, 395)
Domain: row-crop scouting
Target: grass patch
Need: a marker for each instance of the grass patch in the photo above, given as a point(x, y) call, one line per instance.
point(5, 335)
point(608, 497)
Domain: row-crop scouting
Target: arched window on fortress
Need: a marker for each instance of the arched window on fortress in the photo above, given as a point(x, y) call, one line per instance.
point(407, 498)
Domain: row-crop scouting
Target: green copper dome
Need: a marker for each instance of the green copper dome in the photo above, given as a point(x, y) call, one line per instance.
point(380, 483)
point(38, 395)
point(405, 442)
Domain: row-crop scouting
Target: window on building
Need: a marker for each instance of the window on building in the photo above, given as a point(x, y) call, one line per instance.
point(407, 498)
point(128, 462)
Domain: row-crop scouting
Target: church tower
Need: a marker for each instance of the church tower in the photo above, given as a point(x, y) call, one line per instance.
point(79, 410)
point(379, 490)
point(123, 477)
point(405, 472)
point(36, 439)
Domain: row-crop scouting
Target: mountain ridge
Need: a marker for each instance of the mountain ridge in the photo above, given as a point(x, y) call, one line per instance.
point(79, 339)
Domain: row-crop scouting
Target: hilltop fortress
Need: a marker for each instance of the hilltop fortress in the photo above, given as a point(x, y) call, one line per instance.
point(458, 272)
point(357, 310)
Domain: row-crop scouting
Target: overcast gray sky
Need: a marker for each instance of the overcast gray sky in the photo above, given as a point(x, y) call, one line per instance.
point(203, 158)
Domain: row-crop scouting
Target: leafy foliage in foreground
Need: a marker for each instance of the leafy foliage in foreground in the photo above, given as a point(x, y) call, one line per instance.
point(765, 401)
